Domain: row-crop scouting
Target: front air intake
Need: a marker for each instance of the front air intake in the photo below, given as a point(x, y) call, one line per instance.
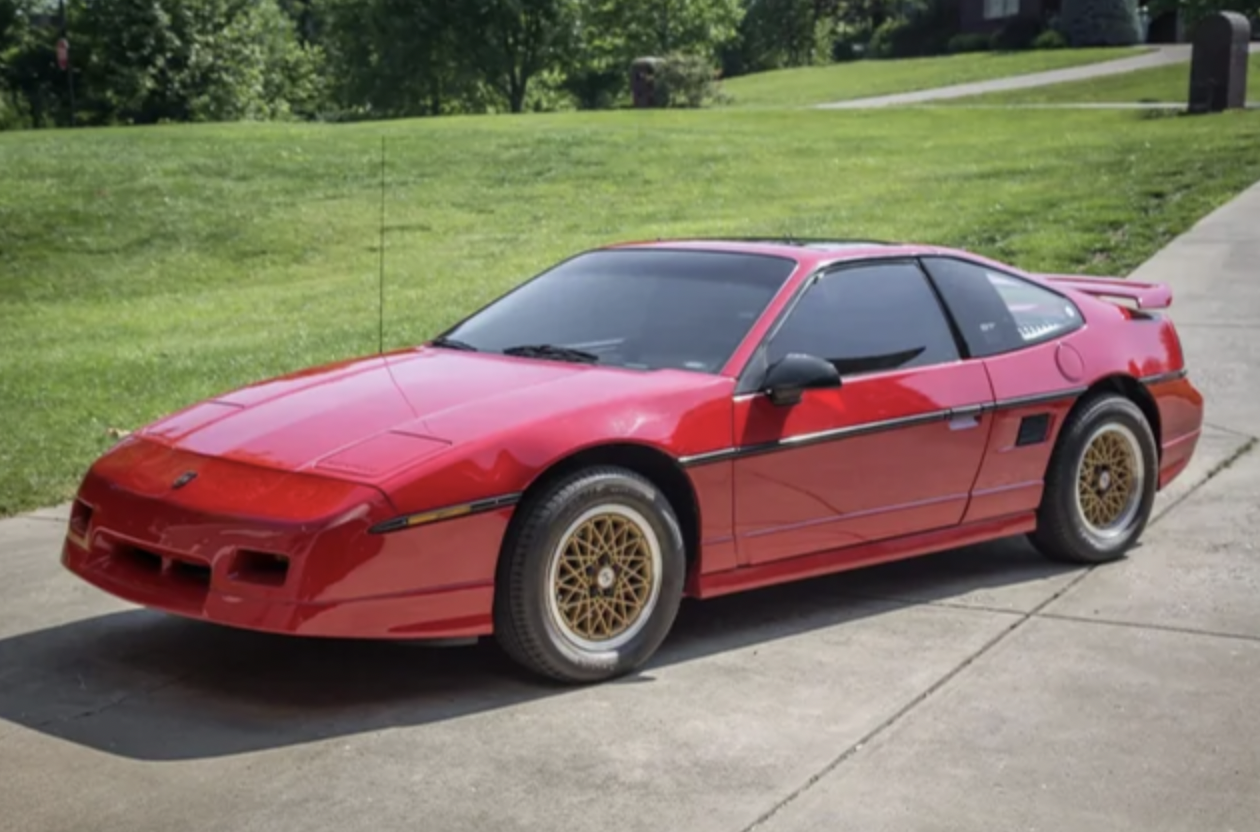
point(260, 568)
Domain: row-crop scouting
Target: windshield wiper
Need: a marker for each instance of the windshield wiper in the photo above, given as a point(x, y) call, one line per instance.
point(553, 351)
point(452, 343)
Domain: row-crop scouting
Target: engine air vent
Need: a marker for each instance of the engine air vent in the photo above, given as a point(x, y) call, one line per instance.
point(1033, 429)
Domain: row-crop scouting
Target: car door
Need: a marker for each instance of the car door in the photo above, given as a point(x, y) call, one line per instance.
point(1022, 333)
point(893, 451)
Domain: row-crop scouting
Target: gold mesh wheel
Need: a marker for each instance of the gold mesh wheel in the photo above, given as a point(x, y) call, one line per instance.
point(605, 577)
point(1109, 481)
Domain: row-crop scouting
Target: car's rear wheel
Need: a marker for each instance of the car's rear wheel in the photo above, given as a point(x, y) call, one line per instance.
point(1100, 485)
point(592, 577)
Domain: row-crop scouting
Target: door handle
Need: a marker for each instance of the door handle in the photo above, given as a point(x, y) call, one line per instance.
point(965, 418)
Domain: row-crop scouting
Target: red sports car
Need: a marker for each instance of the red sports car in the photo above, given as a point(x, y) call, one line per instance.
point(649, 421)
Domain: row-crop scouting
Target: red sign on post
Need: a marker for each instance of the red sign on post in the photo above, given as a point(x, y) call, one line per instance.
point(63, 53)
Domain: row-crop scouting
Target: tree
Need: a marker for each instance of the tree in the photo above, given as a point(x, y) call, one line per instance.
point(636, 28)
point(14, 34)
point(193, 60)
point(778, 33)
point(305, 17)
point(1193, 11)
point(32, 86)
point(610, 34)
point(397, 57)
point(868, 15)
point(513, 41)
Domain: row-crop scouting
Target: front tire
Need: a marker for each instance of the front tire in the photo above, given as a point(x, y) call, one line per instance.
point(592, 578)
point(1100, 485)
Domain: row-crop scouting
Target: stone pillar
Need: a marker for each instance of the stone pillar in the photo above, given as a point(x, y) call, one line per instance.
point(1218, 63)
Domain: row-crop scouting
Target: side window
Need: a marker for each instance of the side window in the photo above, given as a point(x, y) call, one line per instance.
point(869, 319)
point(998, 312)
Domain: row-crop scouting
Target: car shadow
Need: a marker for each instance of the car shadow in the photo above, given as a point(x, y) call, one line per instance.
point(146, 686)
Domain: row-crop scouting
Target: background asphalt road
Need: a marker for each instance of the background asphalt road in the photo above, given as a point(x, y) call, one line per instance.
point(981, 689)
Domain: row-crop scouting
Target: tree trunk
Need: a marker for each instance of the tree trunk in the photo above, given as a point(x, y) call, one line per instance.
point(516, 94)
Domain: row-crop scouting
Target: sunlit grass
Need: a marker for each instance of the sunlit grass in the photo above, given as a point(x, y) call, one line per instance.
point(805, 86)
point(142, 269)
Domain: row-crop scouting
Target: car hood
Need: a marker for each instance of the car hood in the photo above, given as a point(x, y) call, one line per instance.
point(368, 418)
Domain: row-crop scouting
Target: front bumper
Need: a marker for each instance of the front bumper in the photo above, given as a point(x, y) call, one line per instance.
point(182, 588)
point(281, 552)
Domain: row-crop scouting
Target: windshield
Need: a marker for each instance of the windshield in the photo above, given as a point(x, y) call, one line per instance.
point(641, 308)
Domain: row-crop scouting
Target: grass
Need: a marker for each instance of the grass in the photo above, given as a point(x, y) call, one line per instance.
point(1160, 84)
point(805, 86)
point(142, 269)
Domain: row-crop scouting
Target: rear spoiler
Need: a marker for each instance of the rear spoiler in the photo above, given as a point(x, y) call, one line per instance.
point(1145, 295)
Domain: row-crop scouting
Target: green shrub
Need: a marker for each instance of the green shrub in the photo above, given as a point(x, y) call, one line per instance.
point(1100, 22)
point(1018, 33)
point(914, 37)
point(969, 42)
point(843, 50)
point(881, 42)
point(1050, 39)
point(594, 88)
point(13, 115)
point(850, 41)
point(685, 80)
point(547, 94)
point(1192, 12)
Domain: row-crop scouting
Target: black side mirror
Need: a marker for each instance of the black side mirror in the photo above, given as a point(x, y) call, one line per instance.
point(795, 373)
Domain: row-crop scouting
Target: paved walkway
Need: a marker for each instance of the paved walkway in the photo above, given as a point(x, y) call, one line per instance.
point(981, 690)
point(1159, 56)
point(1087, 105)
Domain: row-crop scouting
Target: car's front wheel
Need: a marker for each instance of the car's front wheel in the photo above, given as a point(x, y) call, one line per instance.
point(592, 577)
point(1101, 483)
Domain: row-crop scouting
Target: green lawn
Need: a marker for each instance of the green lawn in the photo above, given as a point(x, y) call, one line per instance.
point(1161, 84)
point(144, 268)
point(805, 86)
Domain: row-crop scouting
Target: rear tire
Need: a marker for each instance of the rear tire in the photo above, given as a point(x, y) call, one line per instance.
point(592, 577)
point(1100, 484)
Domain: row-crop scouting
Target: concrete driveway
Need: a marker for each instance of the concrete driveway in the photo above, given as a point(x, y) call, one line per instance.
point(981, 689)
point(1156, 56)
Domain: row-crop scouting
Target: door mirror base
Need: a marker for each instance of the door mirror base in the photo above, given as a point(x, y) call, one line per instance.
point(789, 377)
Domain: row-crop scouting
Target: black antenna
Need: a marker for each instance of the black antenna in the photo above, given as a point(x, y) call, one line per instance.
point(380, 343)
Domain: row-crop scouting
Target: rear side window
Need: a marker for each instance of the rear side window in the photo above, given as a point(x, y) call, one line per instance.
point(998, 312)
